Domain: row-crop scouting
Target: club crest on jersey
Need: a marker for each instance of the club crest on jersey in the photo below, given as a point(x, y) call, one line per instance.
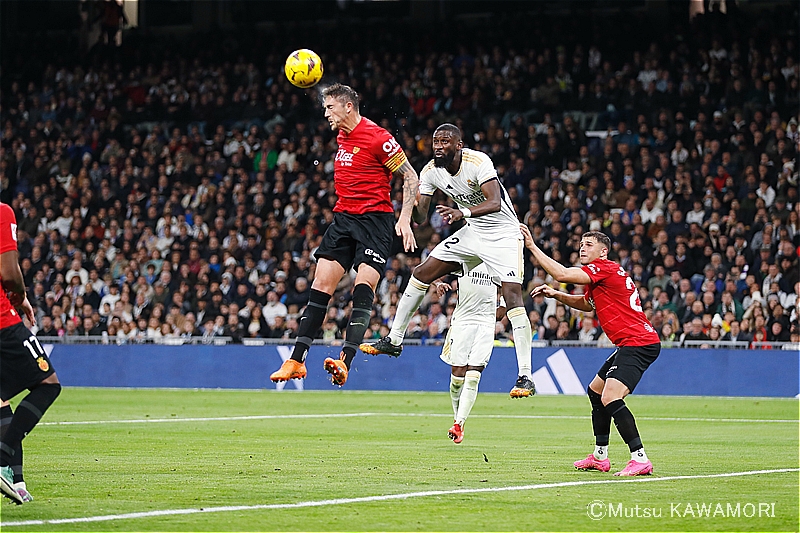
point(356, 149)
point(345, 158)
point(43, 366)
point(471, 183)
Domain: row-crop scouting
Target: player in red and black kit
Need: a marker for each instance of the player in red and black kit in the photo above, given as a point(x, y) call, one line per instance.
point(23, 365)
point(361, 234)
point(611, 293)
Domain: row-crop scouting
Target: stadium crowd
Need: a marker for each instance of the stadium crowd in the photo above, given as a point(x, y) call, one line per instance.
point(177, 190)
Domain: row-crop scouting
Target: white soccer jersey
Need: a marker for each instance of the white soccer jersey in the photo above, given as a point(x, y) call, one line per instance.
point(477, 298)
point(465, 189)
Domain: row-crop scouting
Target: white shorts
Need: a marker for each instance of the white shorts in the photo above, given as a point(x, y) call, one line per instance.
point(503, 257)
point(468, 345)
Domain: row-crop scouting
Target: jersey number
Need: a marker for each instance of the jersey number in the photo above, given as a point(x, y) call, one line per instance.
point(453, 240)
point(634, 301)
point(33, 345)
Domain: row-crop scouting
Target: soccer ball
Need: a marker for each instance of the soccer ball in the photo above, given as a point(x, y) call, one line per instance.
point(303, 68)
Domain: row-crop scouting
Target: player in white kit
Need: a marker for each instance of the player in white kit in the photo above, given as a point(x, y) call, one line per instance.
point(469, 342)
point(491, 236)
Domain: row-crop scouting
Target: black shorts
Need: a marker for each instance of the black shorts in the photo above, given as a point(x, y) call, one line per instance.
point(355, 239)
point(23, 361)
point(628, 363)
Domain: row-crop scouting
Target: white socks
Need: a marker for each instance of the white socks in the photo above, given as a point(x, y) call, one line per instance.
point(456, 383)
point(408, 304)
point(600, 452)
point(522, 338)
point(468, 395)
point(639, 456)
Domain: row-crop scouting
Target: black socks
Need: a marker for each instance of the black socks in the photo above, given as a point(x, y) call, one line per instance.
point(363, 296)
point(601, 420)
point(310, 323)
point(626, 425)
point(29, 411)
point(6, 414)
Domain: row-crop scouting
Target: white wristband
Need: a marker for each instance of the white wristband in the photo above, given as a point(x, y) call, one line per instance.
point(466, 212)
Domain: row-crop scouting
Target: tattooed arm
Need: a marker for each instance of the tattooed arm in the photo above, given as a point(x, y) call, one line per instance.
point(410, 186)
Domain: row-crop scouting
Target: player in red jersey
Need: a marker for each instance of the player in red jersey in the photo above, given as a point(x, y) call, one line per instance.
point(361, 235)
point(611, 293)
point(23, 365)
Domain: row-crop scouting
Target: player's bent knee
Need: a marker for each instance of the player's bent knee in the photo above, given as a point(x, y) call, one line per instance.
point(472, 378)
point(432, 269)
point(596, 386)
point(458, 371)
point(611, 396)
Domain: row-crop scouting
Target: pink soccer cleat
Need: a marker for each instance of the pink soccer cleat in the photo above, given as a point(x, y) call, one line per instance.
point(456, 433)
point(635, 468)
point(593, 463)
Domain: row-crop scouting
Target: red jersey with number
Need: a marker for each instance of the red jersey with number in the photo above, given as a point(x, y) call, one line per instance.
point(616, 302)
point(8, 242)
point(363, 169)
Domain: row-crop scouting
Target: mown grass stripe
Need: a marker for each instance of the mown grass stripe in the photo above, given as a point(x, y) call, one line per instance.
point(382, 497)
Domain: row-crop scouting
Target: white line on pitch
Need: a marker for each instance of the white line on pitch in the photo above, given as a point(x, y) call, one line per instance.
point(359, 415)
point(383, 497)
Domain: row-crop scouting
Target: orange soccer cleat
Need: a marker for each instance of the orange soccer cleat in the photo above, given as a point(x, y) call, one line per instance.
point(337, 369)
point(523, 388)
point(290, 369)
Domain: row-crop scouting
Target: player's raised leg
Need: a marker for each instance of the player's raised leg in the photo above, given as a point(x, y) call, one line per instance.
point(327, 276)
point(424, 274)
point(363, 296)
point(521, 326)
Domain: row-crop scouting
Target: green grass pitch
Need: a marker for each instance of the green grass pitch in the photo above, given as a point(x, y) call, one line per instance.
point(379, 461)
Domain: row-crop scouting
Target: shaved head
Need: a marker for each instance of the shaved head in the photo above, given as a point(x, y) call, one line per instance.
point(450, 129)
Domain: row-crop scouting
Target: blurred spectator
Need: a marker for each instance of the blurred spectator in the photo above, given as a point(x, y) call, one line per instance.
point(165, 186)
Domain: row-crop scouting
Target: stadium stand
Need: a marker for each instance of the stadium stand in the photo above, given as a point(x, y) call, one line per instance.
point(173, 190)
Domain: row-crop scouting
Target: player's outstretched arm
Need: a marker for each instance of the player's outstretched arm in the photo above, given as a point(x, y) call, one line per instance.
point(573, 300)
point(559, 272)
point(410, 186)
